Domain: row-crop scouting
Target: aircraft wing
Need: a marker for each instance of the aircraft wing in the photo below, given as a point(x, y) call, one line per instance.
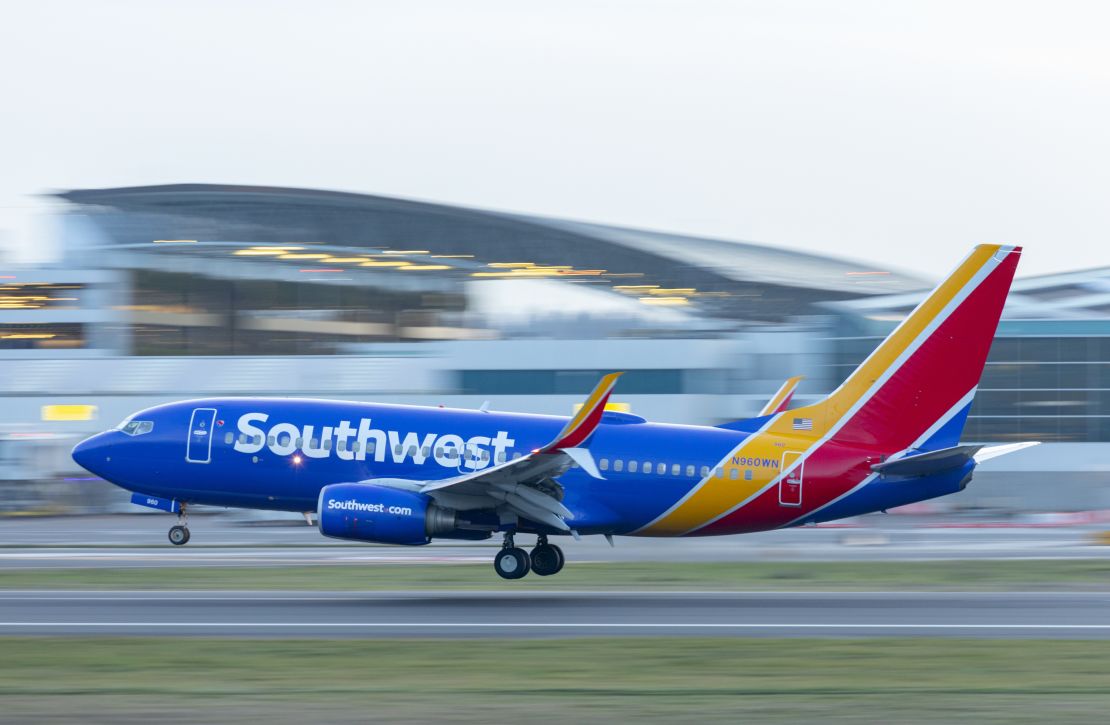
point(525, 485)
point(780, 400)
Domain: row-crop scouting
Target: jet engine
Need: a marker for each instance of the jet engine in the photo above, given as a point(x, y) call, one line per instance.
point(365, 512)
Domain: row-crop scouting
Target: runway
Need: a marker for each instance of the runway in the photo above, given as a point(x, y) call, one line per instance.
point(140, 541)
point(509, 614)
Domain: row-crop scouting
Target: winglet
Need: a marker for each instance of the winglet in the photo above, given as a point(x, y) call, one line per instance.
point(586, 420)
point(780, 400)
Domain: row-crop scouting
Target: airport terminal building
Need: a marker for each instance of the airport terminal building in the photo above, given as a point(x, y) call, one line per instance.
point(169, 292)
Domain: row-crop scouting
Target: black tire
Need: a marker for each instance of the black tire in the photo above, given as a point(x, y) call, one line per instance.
point(562, 557)
point(179, 535)
point(547, 559)
point(511, 563)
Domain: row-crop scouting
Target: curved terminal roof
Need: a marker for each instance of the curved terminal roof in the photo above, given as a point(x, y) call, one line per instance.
point(736, 280)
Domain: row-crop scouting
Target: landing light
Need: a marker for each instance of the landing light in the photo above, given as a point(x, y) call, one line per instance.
point(296, 460)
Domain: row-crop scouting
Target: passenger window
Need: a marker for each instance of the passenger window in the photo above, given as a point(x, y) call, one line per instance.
point(501, 457)
point(229, 437)
point(242, 437)
point(748, 475)
point(356, 447)
point(439, 453)
point(517, 455)
point(426, 451)
point(270, 440)
point(398, 449)
point(412, 451)
point(300, 443)
point(341, 445)
point(632, 465)
point(720, 473)
point(676, 470)
point(661, 468)
point(734, 474)
point(371, 446)
point(647, 466)
point(690, 471)
point(605, 464)
point(327, 444)
point(618, 465)
point(258, 440)
point(704, 471)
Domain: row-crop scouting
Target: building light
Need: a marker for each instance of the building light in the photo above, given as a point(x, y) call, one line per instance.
point(383, 263)
point(424, 267)
point(663, 301)
point(406, 251)
point(672, 292)
point(68, 412)
point(28, 336)
point(304, 256)
point(174, 241)
point(343, 260)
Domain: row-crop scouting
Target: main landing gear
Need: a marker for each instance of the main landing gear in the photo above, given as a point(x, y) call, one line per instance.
point(179, 534)
point(513, 563)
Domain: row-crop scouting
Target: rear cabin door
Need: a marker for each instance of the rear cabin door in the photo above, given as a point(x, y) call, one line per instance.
point(199, 447)
point(790, 485)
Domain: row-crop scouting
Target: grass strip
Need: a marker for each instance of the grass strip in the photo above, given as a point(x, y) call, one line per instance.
point(785, 576)
point(591, 680)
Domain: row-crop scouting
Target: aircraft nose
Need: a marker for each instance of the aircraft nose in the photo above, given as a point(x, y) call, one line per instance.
point(91, 454)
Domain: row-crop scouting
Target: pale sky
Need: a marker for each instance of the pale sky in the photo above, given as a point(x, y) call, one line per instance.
point(897, 132)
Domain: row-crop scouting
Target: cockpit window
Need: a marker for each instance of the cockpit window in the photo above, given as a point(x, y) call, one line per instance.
point(137, 427)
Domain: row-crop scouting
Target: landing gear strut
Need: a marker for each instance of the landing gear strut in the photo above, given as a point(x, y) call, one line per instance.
point(547, 559)
point(179, 534)
point(511, 562)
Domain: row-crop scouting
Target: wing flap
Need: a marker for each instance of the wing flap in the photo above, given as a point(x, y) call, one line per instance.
point(517, 483)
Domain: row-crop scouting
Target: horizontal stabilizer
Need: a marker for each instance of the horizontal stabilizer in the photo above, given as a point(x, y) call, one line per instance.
point(989, 452)
point(924, 464)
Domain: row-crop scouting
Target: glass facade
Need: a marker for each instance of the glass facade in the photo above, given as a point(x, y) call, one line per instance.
point(1045, 380)
point(660, 381)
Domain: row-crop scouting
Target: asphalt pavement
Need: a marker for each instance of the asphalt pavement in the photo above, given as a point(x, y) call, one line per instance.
point(140, 541)
point(508, 614)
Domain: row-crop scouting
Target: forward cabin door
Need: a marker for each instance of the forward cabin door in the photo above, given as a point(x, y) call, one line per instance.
point(199, 447)
point(790, 485)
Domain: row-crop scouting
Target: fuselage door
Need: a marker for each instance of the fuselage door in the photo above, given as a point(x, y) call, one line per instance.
point(790, 485)
point(199, 447)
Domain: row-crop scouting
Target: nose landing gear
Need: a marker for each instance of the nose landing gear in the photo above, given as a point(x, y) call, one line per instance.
point(179, 534)
point(514, 563)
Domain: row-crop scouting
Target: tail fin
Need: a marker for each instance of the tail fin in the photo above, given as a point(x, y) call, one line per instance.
point(917, 386)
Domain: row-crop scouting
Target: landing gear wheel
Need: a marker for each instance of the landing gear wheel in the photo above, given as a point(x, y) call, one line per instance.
point(179, 535)
point(511, 563)
point(547, 559)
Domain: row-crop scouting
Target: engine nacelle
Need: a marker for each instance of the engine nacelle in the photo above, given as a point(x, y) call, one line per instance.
point(365, 512)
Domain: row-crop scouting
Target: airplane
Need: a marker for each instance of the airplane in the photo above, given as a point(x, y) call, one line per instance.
point(889, 435)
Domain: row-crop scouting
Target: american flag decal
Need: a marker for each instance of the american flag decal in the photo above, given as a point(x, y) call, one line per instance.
point(803, 424)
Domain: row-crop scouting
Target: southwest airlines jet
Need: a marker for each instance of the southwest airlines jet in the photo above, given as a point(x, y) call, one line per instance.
point(398, 474)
